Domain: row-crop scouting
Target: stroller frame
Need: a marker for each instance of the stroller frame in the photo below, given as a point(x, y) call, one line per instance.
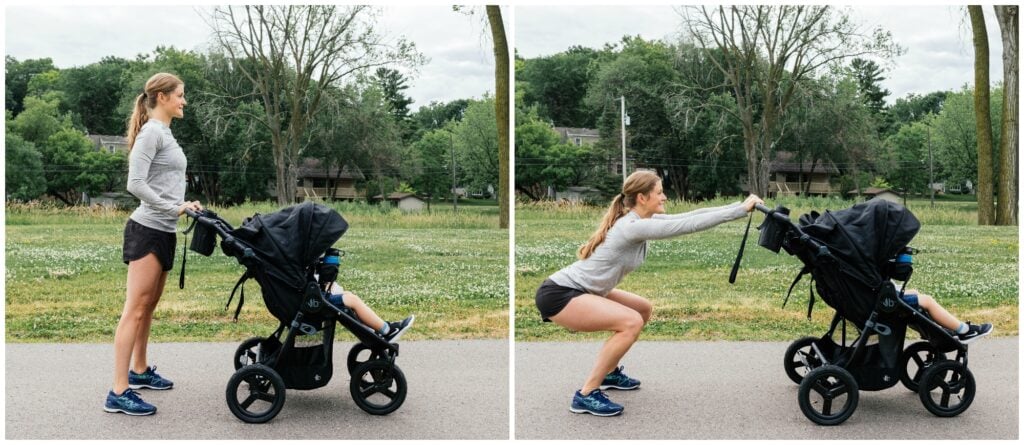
point(266, 366)
point(828, 371)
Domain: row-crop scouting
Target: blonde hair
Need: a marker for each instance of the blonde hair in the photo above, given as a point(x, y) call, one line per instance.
point(637, 183)
point(159, 83)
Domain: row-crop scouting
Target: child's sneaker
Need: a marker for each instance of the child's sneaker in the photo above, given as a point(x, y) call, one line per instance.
point(149, 379)
point(617, 380)
point(397, 328)
point(129, 403)
point(974, 332)
point(595, 403)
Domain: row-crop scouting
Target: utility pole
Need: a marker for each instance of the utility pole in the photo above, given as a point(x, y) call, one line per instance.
point(455, 193)
point(622, 101)
point(931, 167)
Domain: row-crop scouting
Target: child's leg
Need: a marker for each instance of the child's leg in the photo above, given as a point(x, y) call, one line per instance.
point(365, 314)
point(936, 311)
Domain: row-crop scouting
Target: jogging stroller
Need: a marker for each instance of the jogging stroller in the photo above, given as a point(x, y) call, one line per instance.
point(852, 256)
point(289, 254)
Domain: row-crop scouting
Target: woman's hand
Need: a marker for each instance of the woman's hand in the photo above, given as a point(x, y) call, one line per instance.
point(751, 201)
point(194, 206)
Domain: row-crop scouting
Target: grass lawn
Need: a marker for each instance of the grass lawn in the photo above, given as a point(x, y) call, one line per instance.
point(971, 270)
point(65, 281)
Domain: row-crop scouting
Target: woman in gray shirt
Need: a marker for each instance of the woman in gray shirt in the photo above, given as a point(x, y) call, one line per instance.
point(156, 175)
point(582, 296)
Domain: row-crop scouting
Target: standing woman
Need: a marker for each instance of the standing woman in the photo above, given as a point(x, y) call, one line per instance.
point(582, 297)
point(156, 175)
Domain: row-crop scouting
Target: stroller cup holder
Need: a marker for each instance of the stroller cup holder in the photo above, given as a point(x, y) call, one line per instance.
point(773, 231)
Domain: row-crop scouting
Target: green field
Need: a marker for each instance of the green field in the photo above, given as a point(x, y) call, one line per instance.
point(971, 270)
point(65, 281)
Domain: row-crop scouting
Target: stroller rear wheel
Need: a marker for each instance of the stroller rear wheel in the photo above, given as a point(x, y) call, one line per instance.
point(247, 352)
point(915, 360)
point(378, 387)
point(823, 389)
point(255, 393)
point(797, 353)
point(947, 388)
point(354, 358)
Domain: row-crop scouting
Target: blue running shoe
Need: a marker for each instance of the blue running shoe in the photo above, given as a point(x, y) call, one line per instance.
point(595, 403)
point(617, 380)
point(149, 379)
point(129, 403)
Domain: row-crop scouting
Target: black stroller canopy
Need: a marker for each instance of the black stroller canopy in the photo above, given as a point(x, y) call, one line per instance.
point(864, 236)
point(294, 237)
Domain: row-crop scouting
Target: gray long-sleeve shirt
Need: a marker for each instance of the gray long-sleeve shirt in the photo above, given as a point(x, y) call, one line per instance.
point(625, 246)
point(156, 175)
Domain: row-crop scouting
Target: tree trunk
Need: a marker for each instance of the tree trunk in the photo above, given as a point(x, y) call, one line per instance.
point(982, 119)
point(1009, 167)
point(501, 71)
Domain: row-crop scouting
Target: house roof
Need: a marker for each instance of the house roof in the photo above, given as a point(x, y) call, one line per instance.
point(102, 140)
point(568, 132)
point(784, 163)
point(310, 168)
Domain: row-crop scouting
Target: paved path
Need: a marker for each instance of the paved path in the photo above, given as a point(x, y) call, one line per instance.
point(457, 390)
point(738, 390)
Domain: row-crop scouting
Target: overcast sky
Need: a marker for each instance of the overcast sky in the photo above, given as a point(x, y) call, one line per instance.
point(939, 53)
point(461, 57)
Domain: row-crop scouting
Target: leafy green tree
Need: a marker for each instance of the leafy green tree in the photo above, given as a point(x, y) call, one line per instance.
point(17, 76)
point(39, 120)
point(23, 168)
point(543, 161)
point(476, 145)
point(63, 154)
point(557, 84)
point(906, 162)
point(869, 78)
point(101, 171)
point(429, 164)
point(94, 93)
point(437, 114)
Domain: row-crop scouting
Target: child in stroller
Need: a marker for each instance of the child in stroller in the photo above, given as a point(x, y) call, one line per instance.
point(860, 263)
point(289, 254)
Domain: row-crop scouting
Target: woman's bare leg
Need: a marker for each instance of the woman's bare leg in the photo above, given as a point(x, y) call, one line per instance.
point(634, 302)
point(143, 281)
point(139, 359)
point(590, 313)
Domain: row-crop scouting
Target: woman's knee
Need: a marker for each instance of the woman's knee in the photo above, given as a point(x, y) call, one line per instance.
point(632, 323)
point(646, 311)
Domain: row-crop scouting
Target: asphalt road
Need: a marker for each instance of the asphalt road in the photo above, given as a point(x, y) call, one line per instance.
point(457, 390)
point(738, 390)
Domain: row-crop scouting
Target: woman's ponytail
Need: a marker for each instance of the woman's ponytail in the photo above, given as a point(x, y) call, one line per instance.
point(138, 118)
point(615, 211)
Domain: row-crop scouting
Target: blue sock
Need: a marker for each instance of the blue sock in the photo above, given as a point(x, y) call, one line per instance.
point(385, 329)
point(963, 328)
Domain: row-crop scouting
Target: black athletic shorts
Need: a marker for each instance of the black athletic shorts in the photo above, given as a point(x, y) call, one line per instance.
point(140, 240)
point(552, 298)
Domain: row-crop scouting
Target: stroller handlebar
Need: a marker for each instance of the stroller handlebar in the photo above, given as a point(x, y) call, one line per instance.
point(761, 207)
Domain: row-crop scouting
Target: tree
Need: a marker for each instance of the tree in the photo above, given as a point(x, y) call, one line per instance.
point(476, 145)
point(765, 52)
point(557, 84)
point(23, 168)
point(907, 158)
point(94, 92)
point(501, 103)
point(1009, 169)
point(912, 108)
point(39, 120)
point(62, 154)
point(543, 161)
point(982, 119)
point(954, 135)
point(431, 164)
point(392, 83)
point(869, 79)
point(101, 171)
point(17, 76)
point(297, 52)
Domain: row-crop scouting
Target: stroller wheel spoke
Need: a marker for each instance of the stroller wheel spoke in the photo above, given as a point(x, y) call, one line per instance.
point(944, 402)
point(248, 401)
point(826, 407)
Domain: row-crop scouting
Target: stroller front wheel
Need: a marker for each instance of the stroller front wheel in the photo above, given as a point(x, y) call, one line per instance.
point(354, 358)
point(796, 354)
point(947, 388)
point(825, 388)
point(247, 352)
point(255, 393)
point(378, 387)
point(915, 360)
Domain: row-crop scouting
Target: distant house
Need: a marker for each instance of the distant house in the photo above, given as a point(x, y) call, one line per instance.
point(121, 200)
point(110, 144)
point(578, 136)
point(405, 201)
point(315, 181)
point(787, 177)
point(879, 193)
point(576, 194)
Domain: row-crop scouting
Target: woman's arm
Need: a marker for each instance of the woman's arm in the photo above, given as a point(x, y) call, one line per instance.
point(138, 169)
point(651, 229)
point(694, 212)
